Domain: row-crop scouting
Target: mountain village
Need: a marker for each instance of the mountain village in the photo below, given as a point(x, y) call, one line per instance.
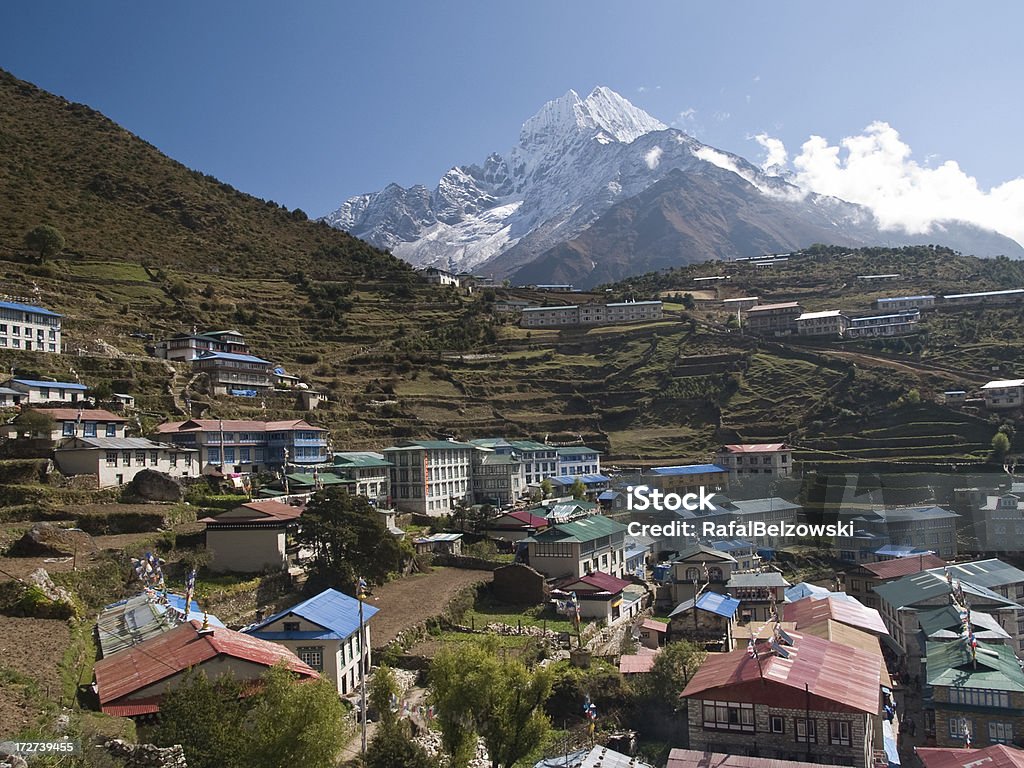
point(750, 511)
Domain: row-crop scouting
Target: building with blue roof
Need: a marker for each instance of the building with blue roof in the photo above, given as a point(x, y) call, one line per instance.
point(323, 632)
point(577, 460)
point(708, 620)
point(30, 328)
point(233, 373)
point(688, 478)
point(34, 391)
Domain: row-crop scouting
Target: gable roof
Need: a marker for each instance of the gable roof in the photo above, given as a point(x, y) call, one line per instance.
point(85, 414)
point(926, 585)
point(160, 657)
point(586, 529)
point(234, 357)
point(844, 634)
point(712, 553)
point(836, 676)
point(984, 573)
point(597, 582)
point(336, 612)
point(945, 623)
point(256, 512)
point(237, 425)
point(901, 566)
point(50, 384)
point(692, 758)
point(689, 469)
point(996, 756)
point(130, 621)
point(849, 612)
point(17, 307)
point(994, 667)
point(757, 579)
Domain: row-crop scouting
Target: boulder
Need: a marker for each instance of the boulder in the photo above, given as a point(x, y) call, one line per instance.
point(50, 540)
point(156, 486)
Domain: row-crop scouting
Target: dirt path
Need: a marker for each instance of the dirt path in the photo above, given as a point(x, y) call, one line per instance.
point(409, 601)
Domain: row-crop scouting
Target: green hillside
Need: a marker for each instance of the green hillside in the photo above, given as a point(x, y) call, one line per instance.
point(155, 248)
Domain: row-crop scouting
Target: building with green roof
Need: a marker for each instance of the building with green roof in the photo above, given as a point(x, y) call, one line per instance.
point(370, 472)
point(579, 547)
point(980, 693)
point(431, 477)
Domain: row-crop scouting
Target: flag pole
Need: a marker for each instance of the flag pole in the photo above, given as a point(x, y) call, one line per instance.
point(361, 595)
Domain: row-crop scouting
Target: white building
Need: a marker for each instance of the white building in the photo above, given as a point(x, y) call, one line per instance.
point(116, 461)
point(591, 314)
point(1003, 395)
point(897, 324)
point(47, 391)
point(831, 322)
point(757, 459)
point(897, 303)
point(431, 477)
point(324, 633)
point(27, 327)
point(187, 347)
point(577, 460)
point(74, 422)
point(440, 277)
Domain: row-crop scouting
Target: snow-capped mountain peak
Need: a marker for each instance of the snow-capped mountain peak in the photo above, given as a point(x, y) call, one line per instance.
point(602, 112)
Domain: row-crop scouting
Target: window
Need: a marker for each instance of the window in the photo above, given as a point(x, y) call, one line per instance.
point(111, 458)
point(313, 656)
point(839, 732)
point(776, 723)
point(728, 716)
point(126, 458)
point(959, 726)
point(806, 730)
point(1000, 733)
point(140, 458)
point(291, 626)
point(244, 455)
point(69, 429)
point(90, 429)
point(111, 430)
point(979, 697)
point(154, 458)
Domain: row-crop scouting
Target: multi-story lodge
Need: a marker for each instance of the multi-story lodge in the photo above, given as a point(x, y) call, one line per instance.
point(33, 392)
point(757, 459)
point(797, 697)
point(897, 324)
point(830, 322)
point(569, 315)
point(925, 529)
point(992, 522)
point(688, 478)
point(498, 478)
point(579, 547)
point(859, 581)
point(241, 446)
point(73, 422)
point(539, 461)
point(117, 460)
point(27, 327)
point(431, 477)
point(897, 303)
point(1003, 395)
point(980, 693)
point(577, 460)
point(234, 374)
point(370, 474)
point(774, 319)
point(187, 347)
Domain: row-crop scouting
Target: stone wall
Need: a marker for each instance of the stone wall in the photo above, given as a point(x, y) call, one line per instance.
point(519, 584)
point(147, 755)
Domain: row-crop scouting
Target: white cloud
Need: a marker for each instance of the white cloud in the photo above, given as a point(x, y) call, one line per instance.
point(653, 157)
point(722, 116)
point(687, 114)
point(875, 169)
point(775, 163)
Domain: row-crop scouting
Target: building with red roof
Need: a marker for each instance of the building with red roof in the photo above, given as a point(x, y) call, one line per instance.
point(601, 596)
point(772, 459)
point(691, 758)
point(860, 581)
point(251, 538)
point(132, 682)
point(515, 525)
point(811, 611)
point(242, 446)
point(801, 698)
point(996, 756)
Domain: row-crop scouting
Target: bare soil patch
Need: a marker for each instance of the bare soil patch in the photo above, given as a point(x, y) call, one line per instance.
point(30, 655)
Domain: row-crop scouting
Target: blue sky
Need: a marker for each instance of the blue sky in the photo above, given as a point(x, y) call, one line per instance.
point(307, 103)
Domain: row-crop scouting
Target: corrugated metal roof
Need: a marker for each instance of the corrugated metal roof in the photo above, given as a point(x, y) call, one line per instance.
point(850, 612)
point(902, 566)
point(50, 384)
point(719, 604)
point(692, 758)
point(602, 757)
point(636, 664)
point(157, 658)
point(121, 443)
point(596, 581)
point(85, 414)
point(948, 618)
point(127, 622)
point(919, 587)
point(233, 357)
point(994, 667)
point(757, 447)
point(852, 637)
point(996, 756)
point(836, 677)
point(984, 573)
point(757, 579)
point(586, 529)
point(689, 469)
point(28, 308)
point(336, 612)
point(356, 459)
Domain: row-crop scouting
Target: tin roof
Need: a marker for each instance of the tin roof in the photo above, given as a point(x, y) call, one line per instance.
point(757, 448)
point(27, 308)
point(85, 414)
point(832, 676)
point(689, 469)
point(336, 612)
point(994, 667)
point(757, 579)
point(844, 634)
point(158, 658)
point(51, 384)
point(996, 756)
point(595, 582)
point(918, 587)
point(585, 529)
point(849, 612)
point(948, 618)
point(902, 566)
point(984, 573)
point(256, 512)
point(237, 425)
point(692, 758)
point(639, 663)
point(127, 622)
